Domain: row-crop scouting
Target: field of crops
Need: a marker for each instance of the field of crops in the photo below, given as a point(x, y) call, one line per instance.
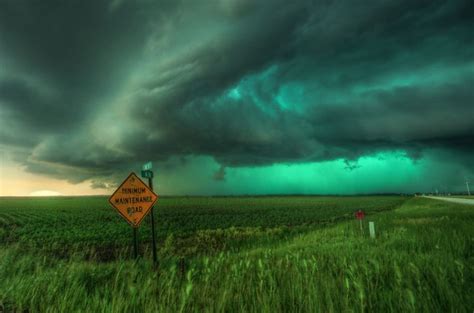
point(91, 223)
point(243, 254)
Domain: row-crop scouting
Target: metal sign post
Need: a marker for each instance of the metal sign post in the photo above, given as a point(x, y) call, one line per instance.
point(135, 243)
point(148, 173)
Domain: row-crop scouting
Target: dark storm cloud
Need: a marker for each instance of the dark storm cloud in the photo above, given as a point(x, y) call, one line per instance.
point(63, 57)
point(407, 115)
point(88, 87)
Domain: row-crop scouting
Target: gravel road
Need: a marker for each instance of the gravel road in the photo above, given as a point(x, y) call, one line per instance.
point(455, 200)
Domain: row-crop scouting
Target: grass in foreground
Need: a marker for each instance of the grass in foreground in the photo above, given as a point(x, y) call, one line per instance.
point(421, 261)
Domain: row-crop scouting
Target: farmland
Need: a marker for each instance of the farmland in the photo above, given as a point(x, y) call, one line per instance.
point(235, 254)
point(90, 223)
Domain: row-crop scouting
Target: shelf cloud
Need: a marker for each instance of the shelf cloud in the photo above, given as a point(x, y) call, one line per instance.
point(90, 87)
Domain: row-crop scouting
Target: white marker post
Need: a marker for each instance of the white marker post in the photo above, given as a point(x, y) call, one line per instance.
point(372, 229)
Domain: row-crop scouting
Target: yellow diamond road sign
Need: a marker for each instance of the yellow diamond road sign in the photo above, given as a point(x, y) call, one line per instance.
point(133, 200)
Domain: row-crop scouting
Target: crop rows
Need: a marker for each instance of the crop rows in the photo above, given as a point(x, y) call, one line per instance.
point(92, 222)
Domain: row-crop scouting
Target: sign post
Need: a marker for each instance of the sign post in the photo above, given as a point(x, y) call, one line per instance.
point(360, 216)
point(148, 173)
point(133, 200)
point(135, 243)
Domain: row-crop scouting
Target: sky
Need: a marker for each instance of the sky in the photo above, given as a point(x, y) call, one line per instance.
point(237, 96)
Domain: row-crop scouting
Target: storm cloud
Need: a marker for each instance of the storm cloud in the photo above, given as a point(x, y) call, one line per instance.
point(89, 87)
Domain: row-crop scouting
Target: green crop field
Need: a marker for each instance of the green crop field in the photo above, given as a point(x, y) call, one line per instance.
point(238, 254)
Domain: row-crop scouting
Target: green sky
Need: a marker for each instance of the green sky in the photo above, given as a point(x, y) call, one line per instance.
point(384, 172)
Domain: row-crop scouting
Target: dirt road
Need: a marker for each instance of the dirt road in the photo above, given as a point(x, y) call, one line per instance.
point(455, 200)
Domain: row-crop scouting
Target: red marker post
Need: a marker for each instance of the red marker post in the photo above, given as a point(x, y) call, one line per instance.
point(360, 215)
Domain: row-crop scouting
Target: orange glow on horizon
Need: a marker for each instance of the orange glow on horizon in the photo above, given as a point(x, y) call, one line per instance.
point(14, 181)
